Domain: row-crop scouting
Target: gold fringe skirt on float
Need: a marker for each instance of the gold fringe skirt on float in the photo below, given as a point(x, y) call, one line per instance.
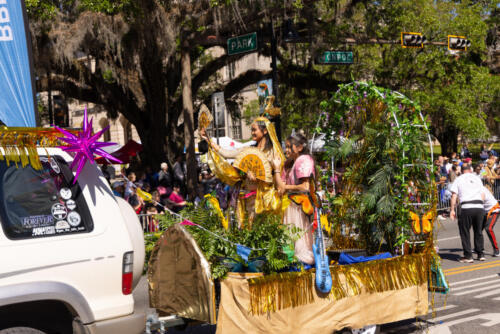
point(280, 291)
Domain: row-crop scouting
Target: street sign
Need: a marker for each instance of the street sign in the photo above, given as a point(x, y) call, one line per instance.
point(335, 57)
point(240, 44)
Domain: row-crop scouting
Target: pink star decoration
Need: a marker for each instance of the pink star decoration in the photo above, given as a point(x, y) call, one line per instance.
point(85, 145)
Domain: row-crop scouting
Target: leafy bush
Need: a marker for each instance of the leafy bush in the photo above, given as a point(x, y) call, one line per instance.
point(271, 239)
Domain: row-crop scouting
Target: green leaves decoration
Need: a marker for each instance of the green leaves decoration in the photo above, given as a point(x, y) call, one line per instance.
point(267, 233)
point(376, 134)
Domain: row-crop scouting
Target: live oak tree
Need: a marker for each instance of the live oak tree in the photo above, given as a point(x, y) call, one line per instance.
point(134, 56)
point(455, 90)
point(458, 91)
point(131, 56)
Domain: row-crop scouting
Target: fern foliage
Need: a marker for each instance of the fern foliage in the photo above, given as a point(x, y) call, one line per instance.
point(268, 237)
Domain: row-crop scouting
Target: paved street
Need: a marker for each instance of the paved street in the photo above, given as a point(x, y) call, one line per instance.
point(473, 304)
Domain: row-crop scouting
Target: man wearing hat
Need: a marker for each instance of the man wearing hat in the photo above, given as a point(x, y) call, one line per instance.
point(468, 190)
point(118, 188)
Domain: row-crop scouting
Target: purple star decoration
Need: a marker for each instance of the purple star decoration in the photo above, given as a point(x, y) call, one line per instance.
point(85, 145)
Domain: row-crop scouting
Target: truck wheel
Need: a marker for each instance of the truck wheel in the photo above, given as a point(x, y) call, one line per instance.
point(21, 330)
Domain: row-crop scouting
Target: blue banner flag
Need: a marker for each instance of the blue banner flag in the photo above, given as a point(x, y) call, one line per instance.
point(17, 103)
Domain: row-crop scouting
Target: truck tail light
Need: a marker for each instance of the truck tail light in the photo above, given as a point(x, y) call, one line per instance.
point(127, 273)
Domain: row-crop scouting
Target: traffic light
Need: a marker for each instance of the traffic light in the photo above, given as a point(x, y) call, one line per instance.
point(412, 40)
point(458, 43)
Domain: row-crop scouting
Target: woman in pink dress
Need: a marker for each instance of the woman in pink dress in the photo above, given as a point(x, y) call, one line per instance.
point(295, 179)
point(176, 199)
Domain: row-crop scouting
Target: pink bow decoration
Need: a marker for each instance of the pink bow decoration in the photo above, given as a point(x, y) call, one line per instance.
point(188, 223)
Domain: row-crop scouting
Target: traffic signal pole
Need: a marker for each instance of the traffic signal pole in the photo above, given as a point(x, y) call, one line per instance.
point(385, 41)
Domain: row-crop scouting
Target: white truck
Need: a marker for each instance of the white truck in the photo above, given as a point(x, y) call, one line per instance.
point(70, 254)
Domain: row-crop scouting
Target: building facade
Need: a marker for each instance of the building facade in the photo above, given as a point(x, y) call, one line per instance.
point(228, 125)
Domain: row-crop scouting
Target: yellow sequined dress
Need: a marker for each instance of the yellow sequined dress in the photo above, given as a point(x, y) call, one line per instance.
point(256, 197)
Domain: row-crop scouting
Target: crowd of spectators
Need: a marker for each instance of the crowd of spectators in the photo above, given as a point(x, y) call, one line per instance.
point(168, 190)
point(167, 187)
point(486, 167)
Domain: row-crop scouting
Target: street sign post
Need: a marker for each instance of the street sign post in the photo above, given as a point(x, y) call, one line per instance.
point(240, 44)
point(335, 57)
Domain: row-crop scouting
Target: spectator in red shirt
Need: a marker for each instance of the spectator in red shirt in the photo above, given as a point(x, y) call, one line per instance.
point(176, 198)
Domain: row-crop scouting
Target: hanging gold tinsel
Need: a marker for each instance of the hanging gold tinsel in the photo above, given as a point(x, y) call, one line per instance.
point(280, 291)
point(19, 145)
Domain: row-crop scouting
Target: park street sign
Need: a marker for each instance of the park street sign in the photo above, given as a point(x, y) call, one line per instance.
point(240, 44)
point(335, 57)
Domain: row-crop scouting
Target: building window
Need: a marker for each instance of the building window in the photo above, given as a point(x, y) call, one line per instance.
point(220, 133)
point(60, 109)
point(103, 123)
point(219, 111)
point(236, 128)
point(230, 70)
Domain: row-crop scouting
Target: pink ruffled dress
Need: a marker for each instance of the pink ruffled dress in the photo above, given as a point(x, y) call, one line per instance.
point(294, 216)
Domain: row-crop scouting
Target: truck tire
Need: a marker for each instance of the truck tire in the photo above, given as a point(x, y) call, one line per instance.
point(21, 330)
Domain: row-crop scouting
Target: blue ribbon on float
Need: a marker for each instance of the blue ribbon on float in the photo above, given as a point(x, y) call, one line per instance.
point(243, 251)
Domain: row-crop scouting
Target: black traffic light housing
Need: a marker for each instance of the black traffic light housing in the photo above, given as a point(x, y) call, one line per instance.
point(412, 40)
point(458, 43)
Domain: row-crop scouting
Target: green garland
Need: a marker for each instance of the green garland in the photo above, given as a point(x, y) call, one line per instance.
point(267, 233)
point(377, 134)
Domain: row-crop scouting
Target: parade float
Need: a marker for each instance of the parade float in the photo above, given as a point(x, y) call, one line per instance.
point(239, 271)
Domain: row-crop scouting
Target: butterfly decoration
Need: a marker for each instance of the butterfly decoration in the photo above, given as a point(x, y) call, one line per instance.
point(422, 224)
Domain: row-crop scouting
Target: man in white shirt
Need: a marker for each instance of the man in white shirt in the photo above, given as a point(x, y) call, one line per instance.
point(468, 189)
point(491, 211)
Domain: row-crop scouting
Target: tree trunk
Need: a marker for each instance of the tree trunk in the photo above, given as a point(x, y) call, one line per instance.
point(448, 139)
point(153, 146)
point(187, 102)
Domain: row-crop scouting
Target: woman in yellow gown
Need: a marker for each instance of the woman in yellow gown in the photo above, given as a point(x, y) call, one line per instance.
point(255, 196)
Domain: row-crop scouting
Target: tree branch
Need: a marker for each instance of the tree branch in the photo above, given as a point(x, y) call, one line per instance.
point(244, 80)
point(306, 78)
point(114, 97)
point(71, 89)
point(211, 68)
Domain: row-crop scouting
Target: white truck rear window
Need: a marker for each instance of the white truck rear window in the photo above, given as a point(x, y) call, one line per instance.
point(41, 203)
